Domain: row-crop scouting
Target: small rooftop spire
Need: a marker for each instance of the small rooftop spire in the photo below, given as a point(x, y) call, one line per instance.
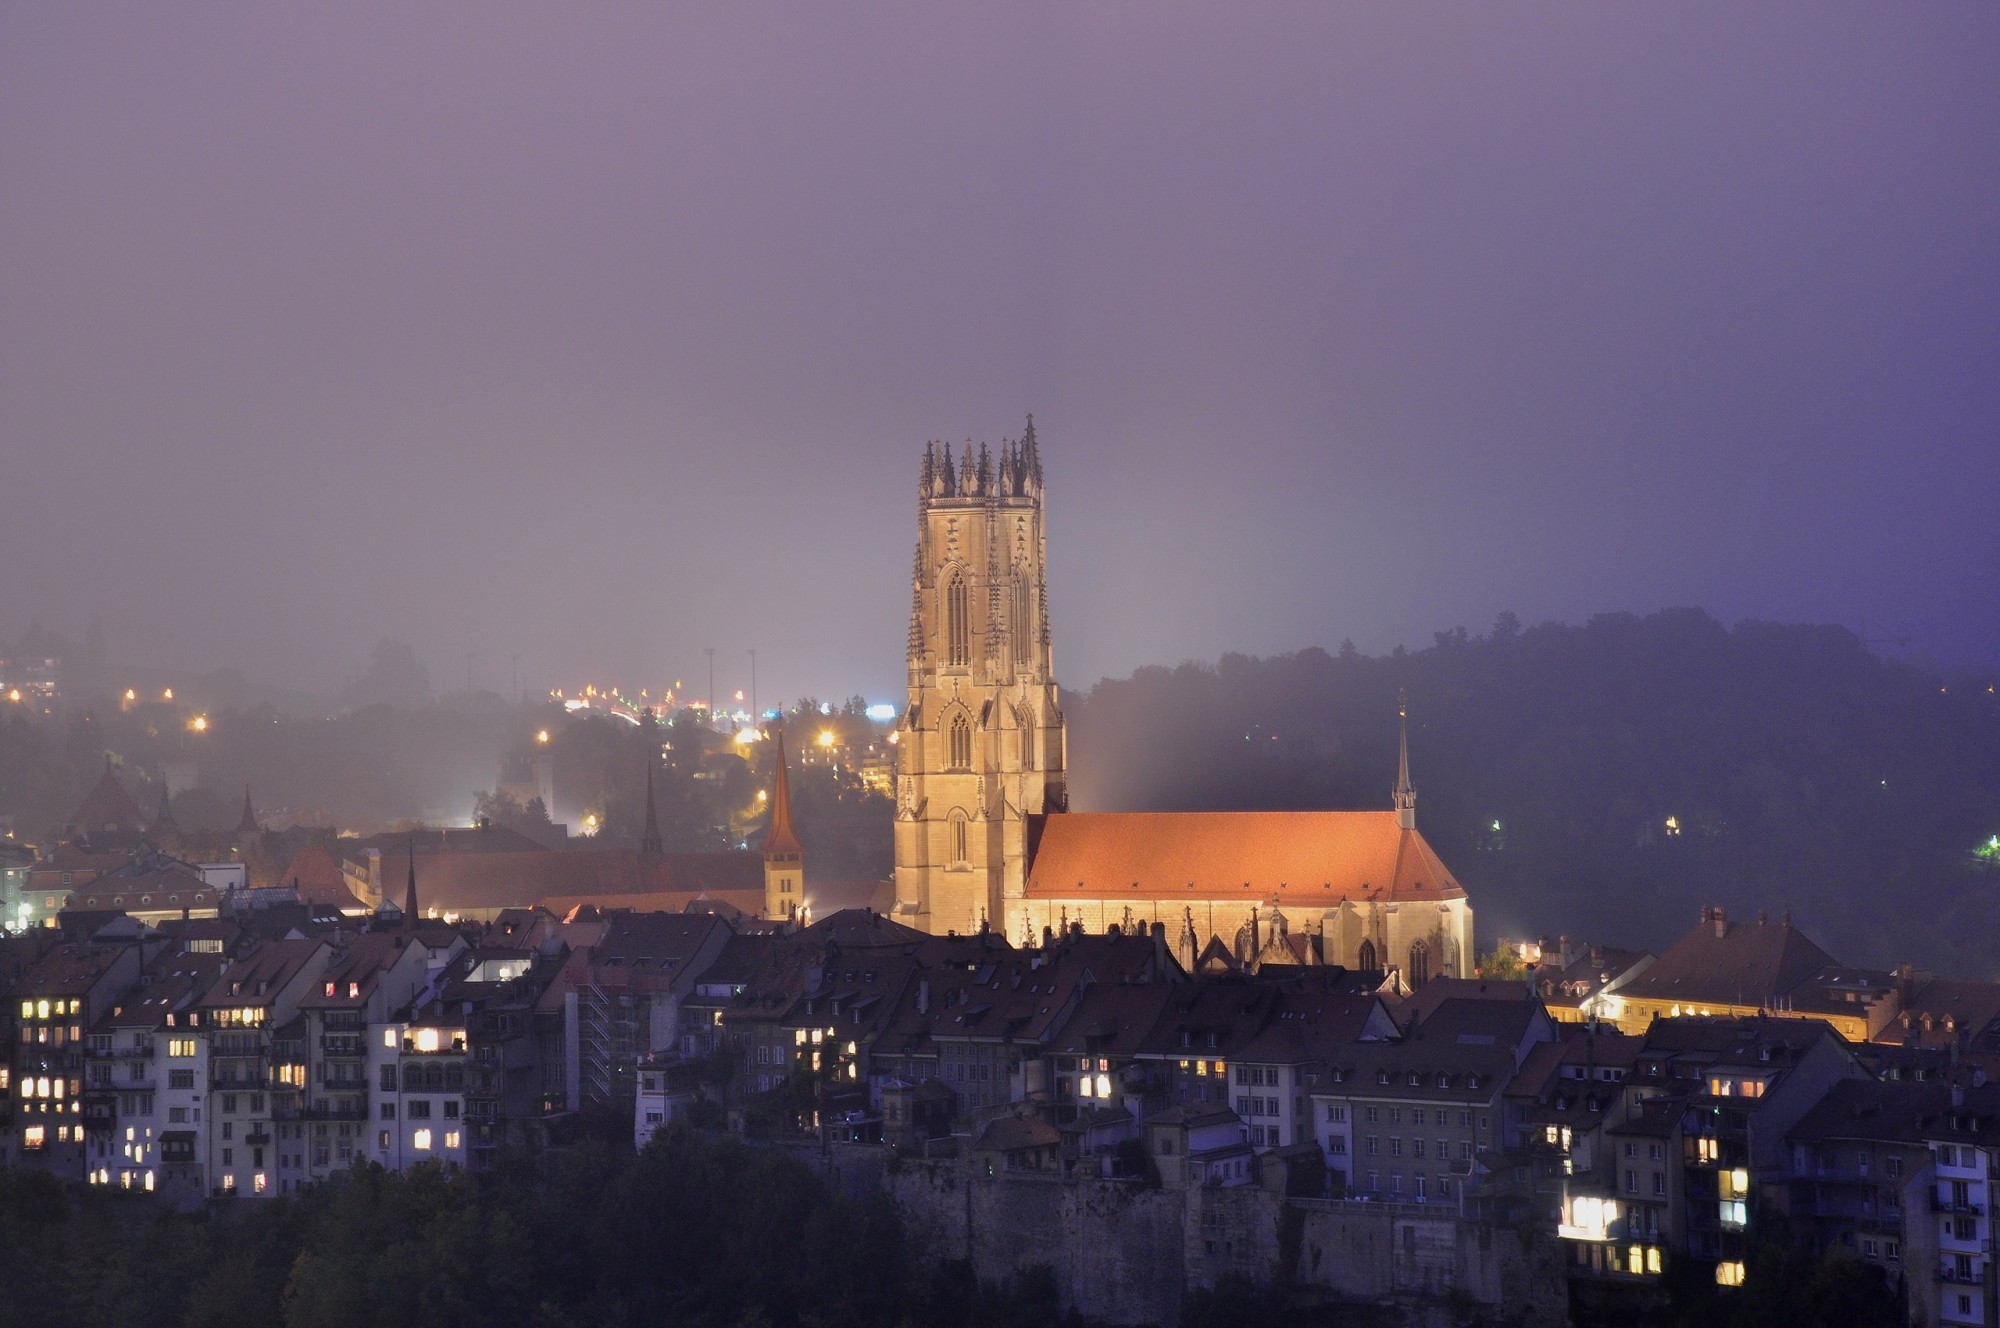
point(1406, 793)
point(248, 824)
point(779, 837)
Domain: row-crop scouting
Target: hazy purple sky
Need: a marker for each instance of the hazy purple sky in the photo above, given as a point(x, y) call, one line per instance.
point(599, 335)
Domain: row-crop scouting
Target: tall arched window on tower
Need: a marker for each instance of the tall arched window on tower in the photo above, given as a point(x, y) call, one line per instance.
point(960, 853)
point(1026, 739)
point(957, 621)
point(959, 748)
point(1018, 626)
point(1365, 961)
point(1420, 965)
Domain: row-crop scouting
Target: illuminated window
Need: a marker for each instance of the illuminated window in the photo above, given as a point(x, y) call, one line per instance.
point(257, 1182)
point(1729, 1273)
point(427, 1039)
point(421, 1141)
point(451, 1139)
point(34, 1136)
point(1652, 1258)
point(389, 1037)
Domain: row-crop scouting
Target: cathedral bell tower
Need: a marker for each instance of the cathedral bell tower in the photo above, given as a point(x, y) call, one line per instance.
point(981, 745)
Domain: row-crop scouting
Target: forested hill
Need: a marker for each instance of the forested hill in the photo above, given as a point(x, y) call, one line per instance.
point(1607, 780)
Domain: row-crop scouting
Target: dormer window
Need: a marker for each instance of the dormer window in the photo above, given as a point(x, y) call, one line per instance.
point(1415, 1078)
point(1444, 1080)
point(1381, 1076)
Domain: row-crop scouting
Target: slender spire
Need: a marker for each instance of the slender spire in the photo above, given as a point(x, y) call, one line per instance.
point(1031, 454)
point(248, 824)
point(649, 843)
point(779, 837)
point(949, 479)
point(410, 892)
point(1406, 793)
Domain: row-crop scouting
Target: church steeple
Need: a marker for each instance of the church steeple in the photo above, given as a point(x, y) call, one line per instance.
point(1406, 792)
point(784, 856)
point(649, 843)
point(247, 825)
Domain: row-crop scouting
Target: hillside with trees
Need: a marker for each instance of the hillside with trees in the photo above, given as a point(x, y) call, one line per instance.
point(1606, 780)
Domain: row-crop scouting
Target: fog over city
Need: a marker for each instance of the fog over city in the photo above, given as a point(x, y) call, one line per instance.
point(565, 347)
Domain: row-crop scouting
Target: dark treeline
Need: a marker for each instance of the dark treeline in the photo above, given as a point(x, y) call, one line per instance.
point(693, 1231)
point(1801, 773)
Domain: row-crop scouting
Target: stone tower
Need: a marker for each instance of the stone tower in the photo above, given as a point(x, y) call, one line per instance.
point(982, 746)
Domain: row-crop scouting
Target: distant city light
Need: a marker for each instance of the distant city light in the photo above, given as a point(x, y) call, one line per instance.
point(14, 695)
point(590, 824)
point(826, 737)
point(826, 707)
point(541, 735)
point(739, 696)
point(168, 695)
point(881, 713)
point(199, 723)
point(131, 695)
point(1673, 825)
point(762, 795)
point(746, 736)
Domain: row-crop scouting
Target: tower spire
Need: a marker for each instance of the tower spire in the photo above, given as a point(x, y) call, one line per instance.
point(410, 892)
point(649, 843)
point(1406, 793)
point(779, 837)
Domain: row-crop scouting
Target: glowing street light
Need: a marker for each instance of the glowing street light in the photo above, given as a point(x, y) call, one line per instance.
point(199, 723)
point(826, 737)
point(131, 695)
point(541, 735)
point(167, 695)
point(14, 695)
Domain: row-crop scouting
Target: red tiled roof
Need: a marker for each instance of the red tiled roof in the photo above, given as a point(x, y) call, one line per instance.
point(458, 882)
point(1301, 857)
point(318, 879)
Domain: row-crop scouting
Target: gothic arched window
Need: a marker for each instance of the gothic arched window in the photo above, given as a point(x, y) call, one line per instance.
point(957, 621)
point(1022, 598)
point(1025, 739)
point(1420, 965)
point(960, 852)
point(960, 747)
point(1366, 960)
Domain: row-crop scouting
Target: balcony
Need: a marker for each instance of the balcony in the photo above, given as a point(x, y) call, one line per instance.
point(1948, 1273)
point(1944, 1204)
point(344, 1044)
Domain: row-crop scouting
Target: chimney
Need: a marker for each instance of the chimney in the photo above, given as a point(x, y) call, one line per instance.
point(923, 995)
point(1762, 917)
point(1721, 921)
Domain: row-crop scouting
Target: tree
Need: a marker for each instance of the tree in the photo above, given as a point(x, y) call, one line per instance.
point(394, 677)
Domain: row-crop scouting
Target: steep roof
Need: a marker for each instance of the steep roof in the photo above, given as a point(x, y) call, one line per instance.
point(147, 891)
point(1305, 858)
point(1732, 963)
point(318, 879)
point(108, 807)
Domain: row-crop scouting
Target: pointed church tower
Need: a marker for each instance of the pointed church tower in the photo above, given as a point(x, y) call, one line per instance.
point(410, 892)
point(1406, 792)
point(650, 843)
point(981, 747)
point(784, 857)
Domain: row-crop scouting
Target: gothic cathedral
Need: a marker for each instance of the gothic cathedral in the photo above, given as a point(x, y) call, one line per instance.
point(981, 747)
point(984, 834)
